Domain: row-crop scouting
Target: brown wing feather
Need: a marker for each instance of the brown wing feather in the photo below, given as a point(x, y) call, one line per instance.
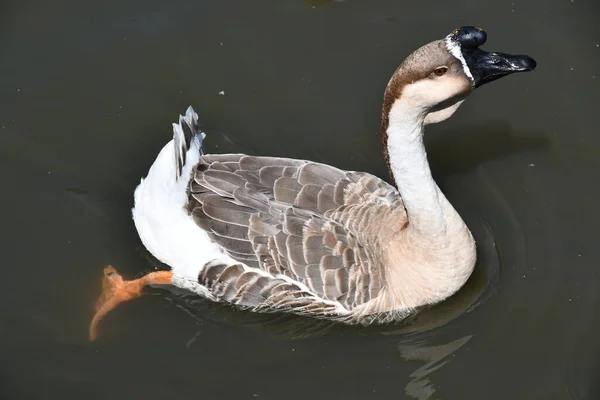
point(254, 290)
point(311, 222)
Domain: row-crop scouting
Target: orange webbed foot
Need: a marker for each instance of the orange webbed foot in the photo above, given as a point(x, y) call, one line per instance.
point(115, 291)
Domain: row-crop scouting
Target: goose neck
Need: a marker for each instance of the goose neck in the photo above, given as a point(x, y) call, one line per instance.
point(407, 161)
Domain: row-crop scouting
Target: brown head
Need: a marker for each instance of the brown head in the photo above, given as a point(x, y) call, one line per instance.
point(436, 78)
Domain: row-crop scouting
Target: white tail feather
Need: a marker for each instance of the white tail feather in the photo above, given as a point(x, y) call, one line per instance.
point(159, 214)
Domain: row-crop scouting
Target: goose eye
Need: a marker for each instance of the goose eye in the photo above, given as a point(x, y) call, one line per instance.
point(439, 71)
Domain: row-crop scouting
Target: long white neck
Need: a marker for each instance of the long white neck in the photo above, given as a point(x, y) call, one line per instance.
point(423, 200)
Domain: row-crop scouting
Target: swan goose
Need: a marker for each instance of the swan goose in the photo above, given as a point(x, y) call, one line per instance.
point(277, 234)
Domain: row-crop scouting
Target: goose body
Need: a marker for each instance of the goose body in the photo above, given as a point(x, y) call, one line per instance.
point(275, 234)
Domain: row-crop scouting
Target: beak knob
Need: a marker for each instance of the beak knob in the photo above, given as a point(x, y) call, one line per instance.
point(469, 37)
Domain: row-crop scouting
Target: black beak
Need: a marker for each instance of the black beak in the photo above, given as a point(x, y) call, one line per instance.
point(484, 66)
point(487, 67)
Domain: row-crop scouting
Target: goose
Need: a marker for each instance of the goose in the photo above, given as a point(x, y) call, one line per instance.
point(272, 234)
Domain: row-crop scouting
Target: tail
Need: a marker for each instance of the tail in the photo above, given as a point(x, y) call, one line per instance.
point(185, 134)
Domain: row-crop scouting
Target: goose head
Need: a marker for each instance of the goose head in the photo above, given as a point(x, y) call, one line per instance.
point(433, 81)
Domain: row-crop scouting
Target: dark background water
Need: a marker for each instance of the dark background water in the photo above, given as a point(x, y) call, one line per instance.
point(87, 94)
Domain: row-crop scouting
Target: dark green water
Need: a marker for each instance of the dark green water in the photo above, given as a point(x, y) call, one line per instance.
point(87, 96)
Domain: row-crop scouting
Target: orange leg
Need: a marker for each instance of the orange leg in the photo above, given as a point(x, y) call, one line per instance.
point(115, 291)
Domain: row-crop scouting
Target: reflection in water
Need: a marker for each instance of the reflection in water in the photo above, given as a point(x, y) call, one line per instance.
point(410, 347)
point(420, 387)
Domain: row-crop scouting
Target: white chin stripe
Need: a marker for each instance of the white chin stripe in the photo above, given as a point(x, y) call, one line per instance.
point(454, 49)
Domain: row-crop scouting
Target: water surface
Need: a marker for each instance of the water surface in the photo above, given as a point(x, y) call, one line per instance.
point(87, 96)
